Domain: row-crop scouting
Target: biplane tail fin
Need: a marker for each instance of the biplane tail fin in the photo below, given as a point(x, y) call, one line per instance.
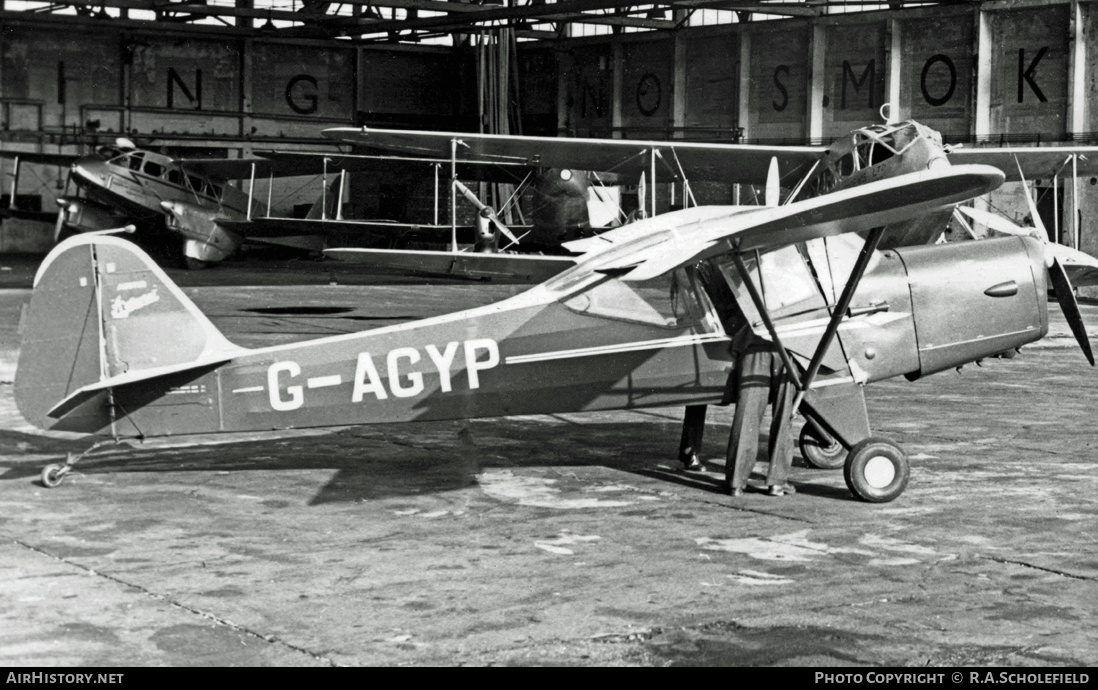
point(104, 314)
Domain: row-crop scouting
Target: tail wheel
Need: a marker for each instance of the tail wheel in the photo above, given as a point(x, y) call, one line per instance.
point(876, 470)
point(823, 455)
point(53, 474)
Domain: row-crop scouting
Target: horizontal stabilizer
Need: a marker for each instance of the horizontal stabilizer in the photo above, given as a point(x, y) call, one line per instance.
point(85, 393)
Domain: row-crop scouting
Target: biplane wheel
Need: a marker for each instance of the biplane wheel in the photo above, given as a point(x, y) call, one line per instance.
point(876, 470)
point(52, 475)
point(822, 456)
point(195, 264)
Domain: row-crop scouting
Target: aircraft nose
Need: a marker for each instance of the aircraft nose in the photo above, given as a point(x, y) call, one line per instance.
point(81, 171)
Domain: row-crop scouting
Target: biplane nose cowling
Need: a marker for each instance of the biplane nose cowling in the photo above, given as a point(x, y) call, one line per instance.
point(204, 239)
point(973, 300)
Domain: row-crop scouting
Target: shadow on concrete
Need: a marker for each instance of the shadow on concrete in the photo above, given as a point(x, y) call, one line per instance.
point(373, 462)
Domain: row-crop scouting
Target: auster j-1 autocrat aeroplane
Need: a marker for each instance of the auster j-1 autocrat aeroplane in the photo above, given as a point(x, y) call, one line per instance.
point(112, 347)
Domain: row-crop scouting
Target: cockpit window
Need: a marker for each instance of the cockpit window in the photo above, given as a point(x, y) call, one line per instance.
point(153, 169)
point(847, 165)
point(196, 183)
point(786, 284)
point(668, 301)
point(135, 160)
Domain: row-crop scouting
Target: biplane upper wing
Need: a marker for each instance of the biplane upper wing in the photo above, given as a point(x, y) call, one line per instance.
point(312, 163)
point(264, 165)
point(701, 161)
point(59, 159)
point(1034, 162)
point(858, 209)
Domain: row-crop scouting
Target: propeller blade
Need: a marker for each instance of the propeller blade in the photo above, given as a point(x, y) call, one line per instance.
point(1066, 297)
point(1081, 268)
point(773, 184)
point(503, 229)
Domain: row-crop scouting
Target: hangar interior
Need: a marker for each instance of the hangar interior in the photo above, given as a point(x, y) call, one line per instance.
point(230, 79)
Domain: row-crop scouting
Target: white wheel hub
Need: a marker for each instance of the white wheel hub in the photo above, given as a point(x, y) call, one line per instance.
point(879, 472)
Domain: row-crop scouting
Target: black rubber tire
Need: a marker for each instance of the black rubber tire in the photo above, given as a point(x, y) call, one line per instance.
point(194, 264)
point(52, 476)
point(876, 470)
point(829, 457)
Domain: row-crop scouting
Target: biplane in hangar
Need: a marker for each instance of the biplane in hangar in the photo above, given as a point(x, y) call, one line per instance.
point(864, 155)
point(112, 347)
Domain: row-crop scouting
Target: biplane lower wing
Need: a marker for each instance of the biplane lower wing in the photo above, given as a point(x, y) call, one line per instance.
point(532, 268)
point(380, 230)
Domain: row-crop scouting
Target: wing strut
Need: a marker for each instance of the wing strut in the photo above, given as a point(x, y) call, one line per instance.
point(791, 372)
point(453, 194)
point(870, 246)
point(14, 182)
point(251, 191)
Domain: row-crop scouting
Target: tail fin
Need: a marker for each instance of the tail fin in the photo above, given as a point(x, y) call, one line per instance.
point(103, 313)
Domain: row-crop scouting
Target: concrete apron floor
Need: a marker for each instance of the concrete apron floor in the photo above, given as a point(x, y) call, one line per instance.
point(567, 539)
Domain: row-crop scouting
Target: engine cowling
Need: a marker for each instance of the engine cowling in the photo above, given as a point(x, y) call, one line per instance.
point(82, 215)
point(203, 239)
point(972, 300)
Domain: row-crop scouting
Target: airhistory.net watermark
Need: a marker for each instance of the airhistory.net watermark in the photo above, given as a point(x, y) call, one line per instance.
point(64, 678)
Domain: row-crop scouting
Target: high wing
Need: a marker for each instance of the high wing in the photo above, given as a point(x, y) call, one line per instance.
point(1034, 162)
point(718, 162)
point(664, 243)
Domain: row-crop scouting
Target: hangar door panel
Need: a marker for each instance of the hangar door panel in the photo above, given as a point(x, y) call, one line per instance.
point(63, 70)
point(590, 80)
point(405, 88)
point(779, 83)
point(538, 92)
point(712, 84)
point(303, 80)
point(936, 82)
point(1029, 71)
point(185, 75)
point(854, 77)
point(646, 88)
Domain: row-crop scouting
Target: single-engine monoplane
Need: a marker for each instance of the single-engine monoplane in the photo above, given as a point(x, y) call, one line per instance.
point(112, 347)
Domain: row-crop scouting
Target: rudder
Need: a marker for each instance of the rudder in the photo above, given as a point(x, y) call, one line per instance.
point(101, 308)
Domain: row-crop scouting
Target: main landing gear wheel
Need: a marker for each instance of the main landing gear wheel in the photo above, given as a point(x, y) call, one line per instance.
point(876, 470)
point(53, 474)
point(194, 264)
point(823, 456)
